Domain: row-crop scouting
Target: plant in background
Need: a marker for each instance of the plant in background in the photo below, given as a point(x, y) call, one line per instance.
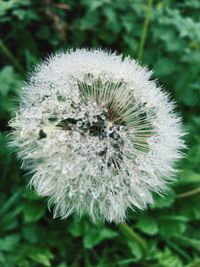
point(97, 134)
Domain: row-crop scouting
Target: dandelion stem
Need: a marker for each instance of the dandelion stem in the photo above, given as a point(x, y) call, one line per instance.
point(10, 55)
point(145, 28)
point(189, 193)
point(129, 232)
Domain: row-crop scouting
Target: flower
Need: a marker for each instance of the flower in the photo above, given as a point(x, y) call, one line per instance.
point(97, 134)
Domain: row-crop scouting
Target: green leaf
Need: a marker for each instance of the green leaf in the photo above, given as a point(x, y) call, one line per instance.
point(9, 243)
point(5, 6)
point(2, 259)
point(168, 259)
point(9, 220)
point(30, 233)
point(165, 67)
point(76, 227)
point(187, 241)
point(42, 257)
point(135, 249)
point(147, 225)
point(189, 176)
point(19, 13)
point(33, 211)
point(30, 195)
point(95, 235)
point(170, 226)
point(9, 80)
point(11, 201)
point(164, 201)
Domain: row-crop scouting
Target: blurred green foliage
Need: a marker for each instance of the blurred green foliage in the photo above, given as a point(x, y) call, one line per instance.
point(30, 30)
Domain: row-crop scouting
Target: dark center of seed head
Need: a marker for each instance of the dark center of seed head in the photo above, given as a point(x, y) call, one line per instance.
point(100, 126)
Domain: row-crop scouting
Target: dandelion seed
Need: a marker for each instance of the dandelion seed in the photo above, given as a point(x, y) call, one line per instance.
point(97, 134)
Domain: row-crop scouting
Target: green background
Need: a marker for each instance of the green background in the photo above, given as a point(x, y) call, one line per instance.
point(170, 230)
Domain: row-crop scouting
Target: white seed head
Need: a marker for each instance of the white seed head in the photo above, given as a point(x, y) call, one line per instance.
point(97, 134)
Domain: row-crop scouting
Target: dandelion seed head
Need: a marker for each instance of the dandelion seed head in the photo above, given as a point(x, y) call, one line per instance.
point(97, 134)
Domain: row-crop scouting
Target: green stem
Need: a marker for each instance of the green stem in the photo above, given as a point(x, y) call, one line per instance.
point(10, 55)
point(129, 232)
point(145, 28)
point(189, 193)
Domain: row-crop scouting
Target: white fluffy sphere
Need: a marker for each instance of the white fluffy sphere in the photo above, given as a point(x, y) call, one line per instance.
point(98, 135)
